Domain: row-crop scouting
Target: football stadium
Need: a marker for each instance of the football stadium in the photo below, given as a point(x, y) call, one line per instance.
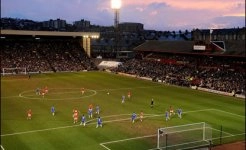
point(57, 93)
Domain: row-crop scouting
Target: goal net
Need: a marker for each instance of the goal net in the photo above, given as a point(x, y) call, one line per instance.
point(14, 71)
point(188, 136)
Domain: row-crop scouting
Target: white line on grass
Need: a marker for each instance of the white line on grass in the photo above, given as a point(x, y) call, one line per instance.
point(128, 139)
point(94, 92)
point(26, 96)
point(33, 131)
point(2, 147)
point(149, 116)
point(229, 113)
point(228, 136)
point(181, 144)
point(105, 147)
point(222, 131)
point(8, 96)
point(64, 127)
point(118, 120)
point(141, 87)
point(116, 141)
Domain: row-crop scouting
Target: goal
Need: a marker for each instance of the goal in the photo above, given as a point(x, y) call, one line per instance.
point(188, 136)
point(14, 71)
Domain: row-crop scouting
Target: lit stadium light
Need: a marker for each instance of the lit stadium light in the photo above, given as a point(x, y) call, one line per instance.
point(115, 4)
point(95, 36)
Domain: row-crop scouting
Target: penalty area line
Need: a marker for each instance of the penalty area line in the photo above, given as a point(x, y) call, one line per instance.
point(89, 122)
point(104, 146)
point(63, 127)
point(222, 131)
point(128, 139)
point(2, 147)
point(228, 136)
point(9, 96)
point(229, 113)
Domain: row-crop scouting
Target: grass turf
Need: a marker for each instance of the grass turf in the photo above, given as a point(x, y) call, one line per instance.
point(45, 131)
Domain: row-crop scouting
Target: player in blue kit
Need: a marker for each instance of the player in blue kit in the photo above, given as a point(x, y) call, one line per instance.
point(134, 116)
point(99, 122)
point(97, 110)
point(82, 120)
point(53, 110)
point(38, 91)
point(123, 99)
point(179, 112)
point(167, 115)
point(90, 112)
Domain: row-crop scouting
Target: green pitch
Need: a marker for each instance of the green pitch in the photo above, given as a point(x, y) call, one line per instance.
point(45, 131)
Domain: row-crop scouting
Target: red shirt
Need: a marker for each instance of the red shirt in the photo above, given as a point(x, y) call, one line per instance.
point(29, 112)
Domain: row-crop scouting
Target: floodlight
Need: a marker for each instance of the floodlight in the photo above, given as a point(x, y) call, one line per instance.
point(115, 4)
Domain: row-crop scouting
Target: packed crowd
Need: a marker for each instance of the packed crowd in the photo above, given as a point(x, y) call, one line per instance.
point(217, 73)
point(220, 74)
point(45, 56)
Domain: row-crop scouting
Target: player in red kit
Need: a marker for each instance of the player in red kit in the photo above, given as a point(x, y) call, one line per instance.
point(141, 116)
point(129, 95)
point(46, 90)
point(82, 91)
point(75, 115)
point(171, 112)
point(90, 106)
point(29, 114)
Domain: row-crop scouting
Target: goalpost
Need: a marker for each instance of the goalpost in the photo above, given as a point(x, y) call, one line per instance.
point(14, 71)
point(185, 136)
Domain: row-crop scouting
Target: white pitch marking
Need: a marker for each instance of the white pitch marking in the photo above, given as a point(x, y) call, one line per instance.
point(2, 147)
point(180, 144)
point(26, 97)
point(128, 139)
point(128, 88)
point(95, 92)
point(229, 113)
point(9, 96)
point(64, 127)
point(105, 146)
point(229, 136)
point(222, 131)
point(116, 141)
point(33, 131)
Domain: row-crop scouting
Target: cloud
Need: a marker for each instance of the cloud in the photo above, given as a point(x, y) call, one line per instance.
point(157, 5)
point(140, 9)
point(229, 21)
point(154, 14)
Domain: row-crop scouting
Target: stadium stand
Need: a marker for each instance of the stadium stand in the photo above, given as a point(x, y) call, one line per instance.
point(208, 72)
point(174, 62)
point(171, 62)
point(44, 55)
